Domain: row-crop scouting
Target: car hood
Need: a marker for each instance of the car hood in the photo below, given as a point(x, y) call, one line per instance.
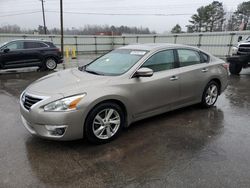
point(67, 82)
point(244, 42)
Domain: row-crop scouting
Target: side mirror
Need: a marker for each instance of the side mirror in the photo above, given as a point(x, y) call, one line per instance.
point(239, 38)
point(6, 50)
point(144, 72)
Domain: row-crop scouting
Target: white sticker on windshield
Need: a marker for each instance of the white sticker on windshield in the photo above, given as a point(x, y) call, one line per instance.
point(138, 53)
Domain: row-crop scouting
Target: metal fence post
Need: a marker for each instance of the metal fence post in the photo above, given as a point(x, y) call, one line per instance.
point(51, 38)
point(199, 41)
point(113, 42)
point(230, 44)
point(95, 45)
point(123, 40)
point(76, 43)
point(175, 38)
point(154, 38)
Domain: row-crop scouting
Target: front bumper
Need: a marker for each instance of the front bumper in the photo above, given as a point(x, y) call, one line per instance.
point(41, 123)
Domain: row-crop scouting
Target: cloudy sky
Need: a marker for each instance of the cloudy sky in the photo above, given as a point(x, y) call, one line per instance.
point(158, 15)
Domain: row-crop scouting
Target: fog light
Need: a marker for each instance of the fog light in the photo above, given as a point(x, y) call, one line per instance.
point(56, 130)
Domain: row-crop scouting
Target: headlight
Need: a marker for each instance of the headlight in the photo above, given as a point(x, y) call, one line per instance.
point(65, 104)
point(23, 97)
point(234, 50)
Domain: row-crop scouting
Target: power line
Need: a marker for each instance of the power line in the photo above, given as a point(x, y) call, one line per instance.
point(120, 14)
point(17, 14)
point(101, 13)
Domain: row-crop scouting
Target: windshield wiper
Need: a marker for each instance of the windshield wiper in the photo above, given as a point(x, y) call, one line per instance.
point(93, 72)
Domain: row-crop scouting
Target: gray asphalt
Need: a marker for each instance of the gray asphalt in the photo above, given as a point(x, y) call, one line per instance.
point(190, 147)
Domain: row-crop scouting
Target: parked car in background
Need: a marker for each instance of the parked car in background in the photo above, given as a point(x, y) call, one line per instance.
point(28, 53)
point(240, 56)
point(126, 85)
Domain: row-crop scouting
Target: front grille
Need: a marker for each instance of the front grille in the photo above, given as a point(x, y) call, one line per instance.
point(30, 101)
point(244, 48)
point(245, 45)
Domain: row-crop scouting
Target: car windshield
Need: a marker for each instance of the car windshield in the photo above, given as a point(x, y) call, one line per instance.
point(3, 44)
point(115, 62)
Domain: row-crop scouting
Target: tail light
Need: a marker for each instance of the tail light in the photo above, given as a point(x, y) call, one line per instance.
point(225, 65)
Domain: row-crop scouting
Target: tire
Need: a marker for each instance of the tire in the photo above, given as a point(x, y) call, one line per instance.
point(50, 64)
point(98, 128)
point(210, 94)
point(235, 68)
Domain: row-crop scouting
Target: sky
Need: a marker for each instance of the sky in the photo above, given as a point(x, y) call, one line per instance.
point(157, 15)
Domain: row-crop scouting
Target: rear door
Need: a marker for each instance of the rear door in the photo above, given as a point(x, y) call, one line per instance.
point(156, 94)
point(193, 75)
point(14, 57)
point(34, 51)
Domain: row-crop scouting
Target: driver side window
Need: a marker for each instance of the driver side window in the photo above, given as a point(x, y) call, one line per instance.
point(161, 61)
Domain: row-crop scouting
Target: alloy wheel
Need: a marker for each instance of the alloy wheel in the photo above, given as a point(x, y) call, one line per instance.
point(51, 64)
point(211, 94)
point(106, 123)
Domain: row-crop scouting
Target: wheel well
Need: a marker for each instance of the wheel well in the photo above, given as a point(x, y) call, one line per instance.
point(49, 57)
point(218, 82)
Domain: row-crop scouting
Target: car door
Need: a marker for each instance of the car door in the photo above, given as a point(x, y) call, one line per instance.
point(193, 76)
point(157, 93)
point(33, 52)
point(12, 54)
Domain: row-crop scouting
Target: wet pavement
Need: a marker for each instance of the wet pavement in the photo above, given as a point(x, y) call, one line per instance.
point(190, 147)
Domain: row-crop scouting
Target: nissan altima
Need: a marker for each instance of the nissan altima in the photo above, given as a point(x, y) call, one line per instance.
point(128, 84)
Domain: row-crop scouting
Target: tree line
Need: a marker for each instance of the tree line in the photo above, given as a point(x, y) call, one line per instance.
point(213, 17)
point(86, 30)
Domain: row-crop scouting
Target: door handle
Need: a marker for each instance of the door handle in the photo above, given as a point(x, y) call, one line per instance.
point(173, 78)
point(204, 70)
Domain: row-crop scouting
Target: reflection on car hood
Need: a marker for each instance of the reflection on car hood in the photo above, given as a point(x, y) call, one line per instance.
point(67, 82)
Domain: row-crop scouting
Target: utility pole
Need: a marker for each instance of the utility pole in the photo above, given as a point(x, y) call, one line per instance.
point(44, 23)
point(61, 18)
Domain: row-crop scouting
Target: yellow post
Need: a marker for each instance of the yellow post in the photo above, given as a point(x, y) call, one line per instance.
point(73, 53)
point(67, 52)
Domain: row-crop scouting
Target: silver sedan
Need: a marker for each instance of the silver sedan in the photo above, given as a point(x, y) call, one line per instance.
point(123, 86)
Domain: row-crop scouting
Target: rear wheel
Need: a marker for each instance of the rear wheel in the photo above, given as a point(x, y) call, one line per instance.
point(210, 94)
point(50, 64)
point(235, 68)
point(104, 123)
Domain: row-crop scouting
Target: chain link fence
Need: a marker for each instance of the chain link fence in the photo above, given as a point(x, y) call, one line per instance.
point(217, 43)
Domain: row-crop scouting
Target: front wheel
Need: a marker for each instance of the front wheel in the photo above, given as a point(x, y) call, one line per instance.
point(210, 94)
point(235, 68)
point(104, 123)
point(50, 64)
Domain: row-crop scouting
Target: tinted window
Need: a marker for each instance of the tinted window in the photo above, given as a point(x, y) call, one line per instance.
point(34, 45)
point(188, 57)
point(15, 45)
point(161, 61)
point(205, 57)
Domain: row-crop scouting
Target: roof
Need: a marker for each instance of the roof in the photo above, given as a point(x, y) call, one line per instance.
point(153, 46)
point(38, 40)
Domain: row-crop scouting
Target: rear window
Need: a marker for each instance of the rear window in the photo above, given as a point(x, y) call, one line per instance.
point(188, 57)
point(205, 57)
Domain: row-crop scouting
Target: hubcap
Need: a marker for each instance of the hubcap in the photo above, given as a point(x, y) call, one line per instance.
point(211, 94)
point(106, 123)
point(51, 64)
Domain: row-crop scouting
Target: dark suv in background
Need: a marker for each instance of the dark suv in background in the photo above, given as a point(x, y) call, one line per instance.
point(28, 53)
